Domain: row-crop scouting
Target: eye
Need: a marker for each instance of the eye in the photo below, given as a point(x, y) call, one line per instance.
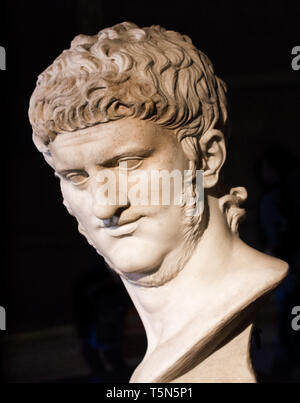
point(77, 178)
point(130, 163)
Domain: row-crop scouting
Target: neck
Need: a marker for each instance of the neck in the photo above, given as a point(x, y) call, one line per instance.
point(206, 311)
point(162, 312)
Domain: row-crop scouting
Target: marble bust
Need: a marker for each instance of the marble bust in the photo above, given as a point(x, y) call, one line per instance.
point(117, 107)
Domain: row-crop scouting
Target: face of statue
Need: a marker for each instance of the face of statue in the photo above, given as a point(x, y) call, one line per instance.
point(135, 239)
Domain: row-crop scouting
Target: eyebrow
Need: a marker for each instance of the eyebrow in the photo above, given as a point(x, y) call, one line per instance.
point(65, 172)
point(111, 161)
point(114, 159)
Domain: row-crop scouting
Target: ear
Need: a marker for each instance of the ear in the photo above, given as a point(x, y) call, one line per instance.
point(213, 149)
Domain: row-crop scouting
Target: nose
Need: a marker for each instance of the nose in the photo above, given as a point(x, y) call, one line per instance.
point(108, 201)
point(107, 212)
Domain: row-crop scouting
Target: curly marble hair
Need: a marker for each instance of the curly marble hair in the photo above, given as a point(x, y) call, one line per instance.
point(125, 71)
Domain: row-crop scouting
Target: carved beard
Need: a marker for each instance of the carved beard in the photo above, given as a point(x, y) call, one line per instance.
point(194, 227)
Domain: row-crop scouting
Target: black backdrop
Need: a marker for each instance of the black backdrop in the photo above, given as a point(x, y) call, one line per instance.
point(250, 46)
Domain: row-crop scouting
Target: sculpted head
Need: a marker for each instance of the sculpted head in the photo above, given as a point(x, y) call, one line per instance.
point(146, 98)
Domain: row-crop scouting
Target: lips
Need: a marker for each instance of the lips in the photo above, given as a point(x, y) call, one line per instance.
point(120, 230)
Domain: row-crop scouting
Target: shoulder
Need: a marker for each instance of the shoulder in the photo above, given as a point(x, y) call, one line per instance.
point(268, 270)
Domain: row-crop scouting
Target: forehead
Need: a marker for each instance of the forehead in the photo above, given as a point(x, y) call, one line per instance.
point(106, 140)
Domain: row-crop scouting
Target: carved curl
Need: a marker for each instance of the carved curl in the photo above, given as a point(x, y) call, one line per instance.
point(229, 204)
point(148, 73)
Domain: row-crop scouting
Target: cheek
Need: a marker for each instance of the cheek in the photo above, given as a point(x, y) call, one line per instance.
point(169, 225)
point(161, 228)
point(158, 235)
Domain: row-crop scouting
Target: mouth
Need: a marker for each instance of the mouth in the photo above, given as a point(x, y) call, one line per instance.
point(121, 230)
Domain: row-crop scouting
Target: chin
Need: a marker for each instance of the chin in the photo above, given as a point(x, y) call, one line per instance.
point(134, 254)
point(133, 260)
point(145, 269)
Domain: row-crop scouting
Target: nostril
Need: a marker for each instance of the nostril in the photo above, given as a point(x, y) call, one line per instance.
point(110, 222)
point(115, 220)
point(108, 215)
point(106, 222)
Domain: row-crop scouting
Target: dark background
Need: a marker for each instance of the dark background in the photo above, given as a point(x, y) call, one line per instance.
point(46, 264)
